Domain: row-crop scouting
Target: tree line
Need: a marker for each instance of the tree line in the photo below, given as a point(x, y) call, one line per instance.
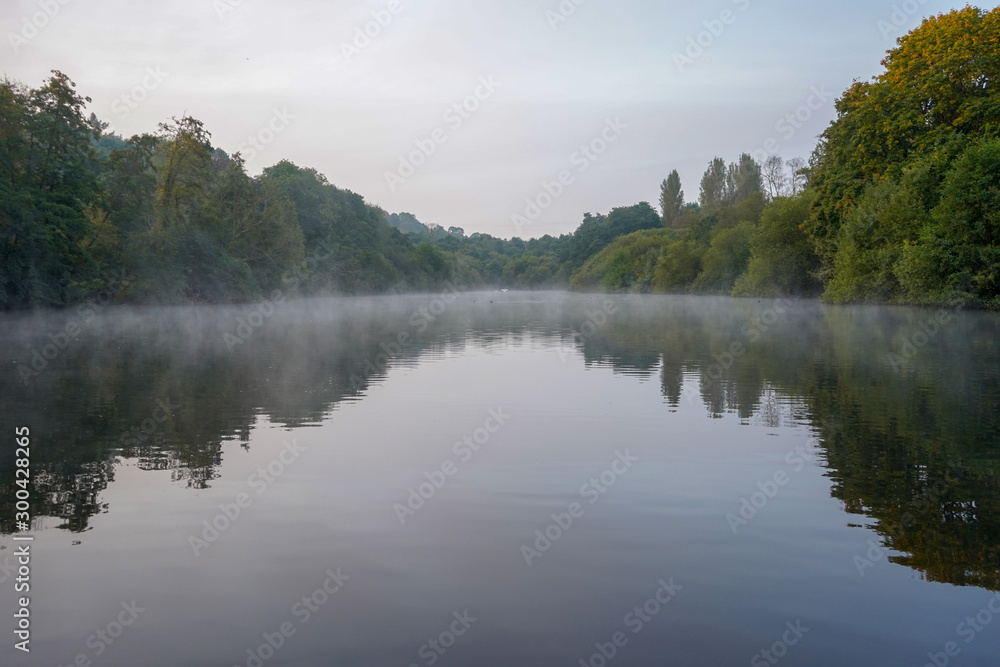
point(167, 217)
point(899, 202)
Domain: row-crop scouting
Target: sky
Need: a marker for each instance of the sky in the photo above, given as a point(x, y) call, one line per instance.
point(507, 117)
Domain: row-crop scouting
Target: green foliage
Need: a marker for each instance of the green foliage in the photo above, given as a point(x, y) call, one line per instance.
point(431, 261)
point(349, 247)
point(708, 250)
point(748, 209)
point(782, 260)
point(744, 180)
point(671, 198)
point(725, 260)
point(887, 218)
point(596, 232)
point(937, 93)
point(47, 182)
point(628, 264)
point(722, 185)
point(713, 185)
point(907, 176)
point(678, 266)
point(183, 170)
point(960, 253)
point(257, 224)
point(530, 271)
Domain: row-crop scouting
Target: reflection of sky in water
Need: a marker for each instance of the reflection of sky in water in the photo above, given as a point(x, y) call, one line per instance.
point(572, 408)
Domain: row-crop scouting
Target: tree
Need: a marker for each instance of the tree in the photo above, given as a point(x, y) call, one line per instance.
point(782, 260)
point(798, 178)
point(627, 264)
point(350, 246)
point(775, 179)
point(432, 261)
point(48, 182)
point(743, 179)
point(529, 271)
point(258, 224)
point(725, 260)
point(724, 185)
point(939, 86)
point(678, 266)
point(671, 198)
point(596, 232)
point(871, 240)
point(713, 185)
point(184, 173)
point(961, 243)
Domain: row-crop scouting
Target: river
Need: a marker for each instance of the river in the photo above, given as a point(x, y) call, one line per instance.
point(505, 479)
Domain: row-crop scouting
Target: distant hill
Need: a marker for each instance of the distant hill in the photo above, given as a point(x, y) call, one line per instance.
point(407, 223)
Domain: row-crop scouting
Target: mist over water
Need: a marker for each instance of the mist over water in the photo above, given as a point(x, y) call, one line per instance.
point(543, 463)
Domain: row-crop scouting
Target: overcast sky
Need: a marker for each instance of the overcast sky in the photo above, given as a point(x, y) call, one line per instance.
point(607, 74)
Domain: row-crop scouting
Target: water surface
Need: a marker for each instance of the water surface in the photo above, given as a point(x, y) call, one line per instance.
point(513, 477)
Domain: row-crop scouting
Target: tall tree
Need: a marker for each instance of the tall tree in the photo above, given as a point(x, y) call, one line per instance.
point(775, 179)
point(671, 198)
point(184, 173)
point(713, 185)
point(48, 182)
point(798, 177)
point(743, 179)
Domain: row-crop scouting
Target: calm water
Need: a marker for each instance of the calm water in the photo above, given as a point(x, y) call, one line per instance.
point(506, 479)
